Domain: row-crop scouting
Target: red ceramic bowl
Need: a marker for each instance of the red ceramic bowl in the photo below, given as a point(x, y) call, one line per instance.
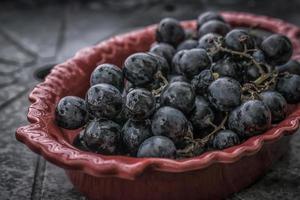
point(212, 175)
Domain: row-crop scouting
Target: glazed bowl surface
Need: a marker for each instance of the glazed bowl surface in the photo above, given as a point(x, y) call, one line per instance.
point(212, 175)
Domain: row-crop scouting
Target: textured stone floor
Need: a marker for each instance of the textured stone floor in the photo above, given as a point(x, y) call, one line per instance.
point(34, 36)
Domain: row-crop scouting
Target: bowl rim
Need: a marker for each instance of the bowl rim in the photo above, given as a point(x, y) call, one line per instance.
point(56, 150)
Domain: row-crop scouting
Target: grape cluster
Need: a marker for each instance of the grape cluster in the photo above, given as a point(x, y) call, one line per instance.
point(194, 91)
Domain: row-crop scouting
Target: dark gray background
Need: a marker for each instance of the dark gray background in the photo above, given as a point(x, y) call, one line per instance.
point(36, 34)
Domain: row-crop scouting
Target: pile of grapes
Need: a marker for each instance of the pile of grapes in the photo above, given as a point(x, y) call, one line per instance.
point(194, 91)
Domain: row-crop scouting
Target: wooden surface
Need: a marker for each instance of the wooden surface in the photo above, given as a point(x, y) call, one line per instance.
point(34, 36)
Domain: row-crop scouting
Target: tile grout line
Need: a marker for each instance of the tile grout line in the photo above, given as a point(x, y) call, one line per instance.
point(13, 39)
point(39, 175)
point(8, 61)
point(9, 101)
point(60, 41)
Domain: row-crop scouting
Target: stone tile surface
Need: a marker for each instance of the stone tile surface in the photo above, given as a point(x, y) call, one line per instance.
point(17, 163)
point(40, 34)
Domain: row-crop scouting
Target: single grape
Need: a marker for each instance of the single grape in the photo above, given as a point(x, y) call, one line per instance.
point(157, 146)
point(104, 101)
point(170, 122)
point(276, 103)
point(192, 62)
point(108, 73)
point(134, 133)
point(170, 31)
point(208, 16)
point(239, 40)
point(187, 45)
point(179, 95)
point(224, 139)
point(139, 104)
point(214, 26)
point(201, 81)
point(292, 67)
point(277, 48)
point(208, 42)
point(102, 136)
point(251, 118)
point(224, 94)
point(139, 68)
point(227, 67)
point(164, 50)
point(289, 87)
point(71, 113)
point(202, 116)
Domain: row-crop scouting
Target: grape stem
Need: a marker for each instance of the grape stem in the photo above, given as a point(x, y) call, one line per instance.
point(261, 82)
point(197, 144)
point(204, 140)
point(188, 151)
point(157, 91)
point(262, 78)
point(245, 55)
point(212, 124)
